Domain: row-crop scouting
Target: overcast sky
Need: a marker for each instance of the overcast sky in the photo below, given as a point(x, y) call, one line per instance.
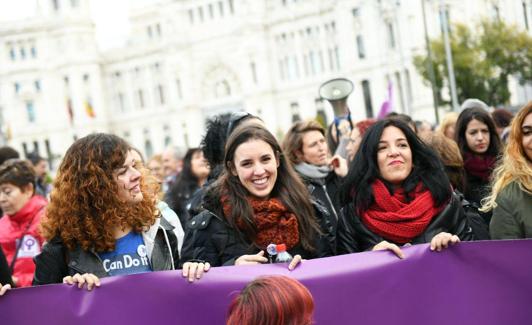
point(110, 17)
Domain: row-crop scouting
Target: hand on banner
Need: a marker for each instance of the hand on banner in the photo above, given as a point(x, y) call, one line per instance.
point(339, 165)
point(443, 240)
point(295, 262)
point(4, 288)
point(251, 259)
point(384, 245)
point(194, 270)
point(87, 278)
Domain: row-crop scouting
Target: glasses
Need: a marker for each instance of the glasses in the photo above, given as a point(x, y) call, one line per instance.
point(234, 121)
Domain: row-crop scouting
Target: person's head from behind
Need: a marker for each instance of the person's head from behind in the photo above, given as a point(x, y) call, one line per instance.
point(218, 131)
point(391, 152)
point(448, 125)
point(99, 186)
point(7, 153)
point(502, 119)
point(17, 179)
point(356, 136)
point(305, 143)
point(476, 133)
point(272, 300)
point(405, 118)
point(424, 129)
point(451, 158)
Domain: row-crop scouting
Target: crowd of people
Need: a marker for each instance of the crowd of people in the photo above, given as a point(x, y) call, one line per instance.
point(398, 182)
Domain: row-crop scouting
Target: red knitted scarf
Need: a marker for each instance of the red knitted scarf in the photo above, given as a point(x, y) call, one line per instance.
point(397, 220)
point(274, 222)
point(479, 166)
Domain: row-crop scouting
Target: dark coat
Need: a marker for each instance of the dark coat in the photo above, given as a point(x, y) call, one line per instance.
point(210, 238)
point(353, 236)
point(325, 192)
point(56, 261)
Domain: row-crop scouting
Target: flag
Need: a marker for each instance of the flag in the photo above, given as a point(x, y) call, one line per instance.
point(70, 110)
point(387, 105)
point(89, 109)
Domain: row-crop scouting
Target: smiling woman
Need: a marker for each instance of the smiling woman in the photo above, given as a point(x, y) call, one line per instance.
point(103, 220)
point(409, 199)
point(258, 200)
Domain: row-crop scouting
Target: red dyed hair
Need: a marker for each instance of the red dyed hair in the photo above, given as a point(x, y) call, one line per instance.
point(272, 300)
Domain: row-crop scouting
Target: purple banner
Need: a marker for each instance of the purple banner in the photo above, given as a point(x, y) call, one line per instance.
point(470, 283)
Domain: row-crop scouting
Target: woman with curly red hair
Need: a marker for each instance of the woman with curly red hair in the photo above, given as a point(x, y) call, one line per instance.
point(102, 220)
point(272, 300)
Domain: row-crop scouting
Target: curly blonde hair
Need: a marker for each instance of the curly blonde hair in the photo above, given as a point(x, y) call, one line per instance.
point(514, 166)
point(85, 206)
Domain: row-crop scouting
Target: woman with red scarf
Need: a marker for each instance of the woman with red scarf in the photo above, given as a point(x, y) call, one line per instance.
point(397, 193)
point(480, 145)
point(257, 201)
point(19, 235)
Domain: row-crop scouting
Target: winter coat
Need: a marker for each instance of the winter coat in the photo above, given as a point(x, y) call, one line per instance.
point(56, 261)
point(210, 238)
point(512, 217)
point(22, 230)
point(353, 236)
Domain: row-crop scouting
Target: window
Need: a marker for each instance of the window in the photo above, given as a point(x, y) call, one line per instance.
point(12, 54)
point(22, 52)
point(367, 98)
point(74, 3)
point(200, 13)
point(211, 10)
point(391, 36)
point(148, 148)
point(337, 57)
point(253, 68)
point(55, 4)
point(178, 88)
point(36, 147)
point(399, 83)
point(222, 89)
point(86, 78)
point(496, 11)
point(25, 148)
point(191, 16)
point(16, 85)
point(231, 8)
point(30, 111)
point(37, 86)
point(294, 110)
point(33, 51)
point(221, 8)
point(150, 32)
point(160, 94)
point(140, 98)
point(121, 102)
point(360, 47)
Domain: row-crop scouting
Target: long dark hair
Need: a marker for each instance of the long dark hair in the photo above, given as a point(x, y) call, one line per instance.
point(288, 188)
point(183, 187)
point(481, 115)
point(427, 168)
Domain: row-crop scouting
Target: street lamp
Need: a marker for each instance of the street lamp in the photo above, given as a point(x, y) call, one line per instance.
point(449, 56)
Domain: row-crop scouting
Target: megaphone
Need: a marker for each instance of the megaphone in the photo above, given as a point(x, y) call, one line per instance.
point(336, 91)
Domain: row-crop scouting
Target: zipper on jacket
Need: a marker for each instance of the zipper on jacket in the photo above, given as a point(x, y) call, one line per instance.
point(330, 202)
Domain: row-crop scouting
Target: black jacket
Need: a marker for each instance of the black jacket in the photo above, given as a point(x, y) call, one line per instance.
point(211, 238)
point(56, 261)
point(324, 191)
point(353, 236)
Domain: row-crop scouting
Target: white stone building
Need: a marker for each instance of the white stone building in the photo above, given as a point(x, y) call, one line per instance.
point(187, 60)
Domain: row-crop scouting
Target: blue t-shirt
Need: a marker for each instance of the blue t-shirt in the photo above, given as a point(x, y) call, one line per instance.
point(129, 256)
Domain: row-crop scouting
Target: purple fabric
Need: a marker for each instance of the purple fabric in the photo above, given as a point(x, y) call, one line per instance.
point(471, 283)
point(387, 105)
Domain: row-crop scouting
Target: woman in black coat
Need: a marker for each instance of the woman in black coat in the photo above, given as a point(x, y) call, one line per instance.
point(257, 201)
point(397, 193)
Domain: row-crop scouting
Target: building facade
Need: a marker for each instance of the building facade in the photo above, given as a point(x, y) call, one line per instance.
point(188, 60)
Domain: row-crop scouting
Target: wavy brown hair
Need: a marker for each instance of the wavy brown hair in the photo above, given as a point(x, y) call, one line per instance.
point(293, 139)
point(85, 206)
